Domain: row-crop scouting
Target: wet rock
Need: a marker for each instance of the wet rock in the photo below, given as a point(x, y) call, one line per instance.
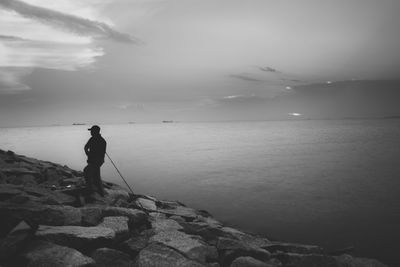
point(45, 254)
point(78, 237)
point(349, 261)
point(190, 246)
point(157, 255)
point(16, 240)
point(249, 262)
point(41, 214)
point(119, 225)
point(91, 215)
point(293, 248)
point(107, 257)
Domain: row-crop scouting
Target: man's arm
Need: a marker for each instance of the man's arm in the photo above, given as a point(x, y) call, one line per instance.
point(87, 147)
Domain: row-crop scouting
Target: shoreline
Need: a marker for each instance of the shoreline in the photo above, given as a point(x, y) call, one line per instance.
point(45, 200)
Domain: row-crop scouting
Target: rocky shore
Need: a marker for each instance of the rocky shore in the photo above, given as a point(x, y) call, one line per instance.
point(47, 220)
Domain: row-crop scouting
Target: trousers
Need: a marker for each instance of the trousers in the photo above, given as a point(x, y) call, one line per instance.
point(93, 179)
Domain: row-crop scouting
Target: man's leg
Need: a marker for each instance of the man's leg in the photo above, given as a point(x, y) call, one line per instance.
point(88, 174)
point(97, 181)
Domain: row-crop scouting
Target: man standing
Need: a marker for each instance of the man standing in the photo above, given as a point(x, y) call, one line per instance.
point(95, 150)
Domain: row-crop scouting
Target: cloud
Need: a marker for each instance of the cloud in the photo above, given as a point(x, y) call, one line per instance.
point(245, 77)
point(67, 22)
point(268, 69)
point(11, 80)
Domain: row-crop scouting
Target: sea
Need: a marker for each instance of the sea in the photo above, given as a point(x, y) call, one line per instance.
point(333, 183)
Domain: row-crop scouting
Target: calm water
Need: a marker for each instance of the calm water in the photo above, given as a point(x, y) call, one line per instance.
point(333, 183)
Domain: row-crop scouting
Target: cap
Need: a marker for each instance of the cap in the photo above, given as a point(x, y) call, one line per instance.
point(94, 128)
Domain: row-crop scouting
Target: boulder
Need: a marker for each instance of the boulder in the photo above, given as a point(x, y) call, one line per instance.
point(188, 213)
point(107, 257)
point(8, 191)
point(23, 179)
point(41, 214)
point(58, 198)
point(146, 204)
point(162, 225)
point(249, 262)
point(45, 254)
point(190, 246)
point(119, 225)
point(136, 243)
point(293, 248)
point(230, 249)
point(137, 218)
point(16, 240)
point(78, 237)
point(91, 215)
point(208, 232)
point(349, 261)
point(158, 255)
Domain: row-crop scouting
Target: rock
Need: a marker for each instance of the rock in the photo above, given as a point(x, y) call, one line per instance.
point(249, 262)
point(16, 240)
point(91, 215)
point(23, 179)
point(178, 219)
point(162, 225)
point(135, 244)
point(58, 198)
point(119, 225)
point(157, 255)
point(293, 248)
point(78, 237)
point(107, 257)
point(306, 260)
point(45, 254)
point(210, 233)
point(52, 177)
point(41, 214)
point(349, 261)
point(137, 218)
point(191, 247)
point(231, 249)
point(146, 204)
point(8, 191)
point(115, 194)
point(188, 213)
point(250, 240)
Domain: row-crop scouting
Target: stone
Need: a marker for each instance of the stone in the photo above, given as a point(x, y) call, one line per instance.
point(16, 239)
point(231, 249)
point(250, 240)
point(55, 197)
point(249, 262)
point(208, 232)
point(190, 246)
point(41, 214)
point(107, 257)
point(157, 255)
point(188, 213)
point(91, 215)
point(146, 204)
point(349, 261)
point(23, 179)
point(8, 191)
point(161, 225)
point(136, 243)
point(78, 237)
point(115, 194)
point(45, 254)
point(293, 248)
point(137, 218)
point(119, 225)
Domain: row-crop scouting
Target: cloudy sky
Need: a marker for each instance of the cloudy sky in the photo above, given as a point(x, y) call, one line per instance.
point(113, 61)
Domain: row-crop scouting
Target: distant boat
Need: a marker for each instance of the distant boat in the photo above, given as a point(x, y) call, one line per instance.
point(75, 124)
point(167, 121)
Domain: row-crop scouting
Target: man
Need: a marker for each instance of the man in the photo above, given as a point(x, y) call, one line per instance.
point(95, 150)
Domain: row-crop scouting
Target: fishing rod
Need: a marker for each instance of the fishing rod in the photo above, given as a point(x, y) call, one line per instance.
point(120, 173)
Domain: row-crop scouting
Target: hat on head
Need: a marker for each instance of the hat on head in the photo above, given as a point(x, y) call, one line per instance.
point(95, 128)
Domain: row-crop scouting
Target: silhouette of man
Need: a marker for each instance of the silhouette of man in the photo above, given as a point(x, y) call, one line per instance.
point(95, 150)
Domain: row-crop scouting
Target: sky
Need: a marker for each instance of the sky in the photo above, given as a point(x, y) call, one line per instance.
point(119, 61)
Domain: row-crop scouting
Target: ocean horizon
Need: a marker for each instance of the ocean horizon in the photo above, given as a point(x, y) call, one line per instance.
point(333, 183)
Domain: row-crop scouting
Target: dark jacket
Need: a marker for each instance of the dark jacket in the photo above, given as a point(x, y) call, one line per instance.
point(95, 150)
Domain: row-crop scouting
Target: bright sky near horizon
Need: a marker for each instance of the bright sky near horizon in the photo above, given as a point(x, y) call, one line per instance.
point(110, 61)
